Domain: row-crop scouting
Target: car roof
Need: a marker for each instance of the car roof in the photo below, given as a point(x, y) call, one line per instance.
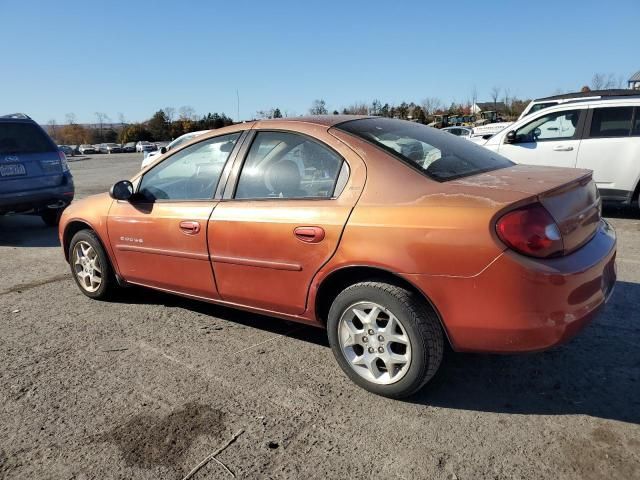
point(324, 120)
point(16, 117)
point(617, 92)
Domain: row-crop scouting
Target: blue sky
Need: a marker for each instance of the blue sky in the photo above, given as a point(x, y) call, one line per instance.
point(134, 57)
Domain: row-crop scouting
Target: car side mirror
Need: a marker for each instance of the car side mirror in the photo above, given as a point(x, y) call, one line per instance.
point(163, 150)
point(122, 190)
point(511, 137)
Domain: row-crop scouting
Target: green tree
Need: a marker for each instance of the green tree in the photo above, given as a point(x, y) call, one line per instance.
point(277, 113)
point(418, 114)
point(157, 125)
point(403, 110)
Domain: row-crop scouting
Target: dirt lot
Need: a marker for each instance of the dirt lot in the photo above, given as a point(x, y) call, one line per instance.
point(149, 385)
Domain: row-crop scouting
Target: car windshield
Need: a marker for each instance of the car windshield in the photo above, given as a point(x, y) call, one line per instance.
point(181, 140)
point(436, 154)
point(23, 138)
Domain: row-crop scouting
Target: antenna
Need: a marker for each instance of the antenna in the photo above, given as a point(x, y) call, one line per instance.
point(237, 105)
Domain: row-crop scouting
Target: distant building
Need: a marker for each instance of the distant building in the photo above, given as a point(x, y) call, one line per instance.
point(634, 81)
point(484, 106)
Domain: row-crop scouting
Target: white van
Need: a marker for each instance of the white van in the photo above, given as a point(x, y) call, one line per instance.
point(600, 135)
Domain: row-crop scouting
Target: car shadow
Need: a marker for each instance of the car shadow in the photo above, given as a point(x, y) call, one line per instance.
point(27, 231)
point(614, 211)
point(596, 374)
point(305, 333)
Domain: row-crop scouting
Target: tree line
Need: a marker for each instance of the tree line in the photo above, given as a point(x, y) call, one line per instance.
point(165, 124)
point(501, 99)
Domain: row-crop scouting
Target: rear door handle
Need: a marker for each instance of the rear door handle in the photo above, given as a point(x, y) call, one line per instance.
point(309, 234)
point(189, 227)
point(561, 148)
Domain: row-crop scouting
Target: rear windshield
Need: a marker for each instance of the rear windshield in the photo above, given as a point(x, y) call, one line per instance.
point(436, 154)
point(23, 138)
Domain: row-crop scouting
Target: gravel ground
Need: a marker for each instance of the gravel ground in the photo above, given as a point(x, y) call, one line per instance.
point(147, 386)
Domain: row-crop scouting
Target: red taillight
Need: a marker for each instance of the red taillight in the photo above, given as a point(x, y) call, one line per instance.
point(531, 230)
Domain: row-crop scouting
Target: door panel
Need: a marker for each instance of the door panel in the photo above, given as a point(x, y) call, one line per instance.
point(561, 153)
point(257, 256)
point(159, 238)
point(612, 149)
point(614, 161)
point(152, 247)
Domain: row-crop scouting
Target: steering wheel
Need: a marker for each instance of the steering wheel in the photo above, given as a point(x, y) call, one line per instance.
point(536, 133)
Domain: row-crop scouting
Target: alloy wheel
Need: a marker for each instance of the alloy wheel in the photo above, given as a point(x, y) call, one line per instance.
point(374, 343)
point(87, 267)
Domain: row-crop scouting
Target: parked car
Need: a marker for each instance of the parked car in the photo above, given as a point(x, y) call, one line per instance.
point(540, 103)
point(174, 144)
point(110, 148)
point(68, 151)
point(144, 146)
point(599, 135)
point(34, 175)
point(129, 147)
point(86, 149)
point(96, 147)
point(458, 131)
point(393, 236)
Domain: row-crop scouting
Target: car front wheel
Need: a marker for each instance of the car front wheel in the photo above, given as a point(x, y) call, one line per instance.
point(385, 338)
point(90, 265)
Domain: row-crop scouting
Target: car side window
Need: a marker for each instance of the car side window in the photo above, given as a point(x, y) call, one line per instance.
point(287, 165)
point(552, 126)
point(636, 123)
point(191, 173)
point(611, 122)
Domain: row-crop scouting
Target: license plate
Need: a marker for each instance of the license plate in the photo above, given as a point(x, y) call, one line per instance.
point(12, 170)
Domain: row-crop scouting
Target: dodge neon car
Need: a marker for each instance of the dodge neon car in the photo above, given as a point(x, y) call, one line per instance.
point(393, 236)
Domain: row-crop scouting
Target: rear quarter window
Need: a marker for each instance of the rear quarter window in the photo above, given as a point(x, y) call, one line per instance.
point(25, 137)
point(611, 122)
point(436, 154)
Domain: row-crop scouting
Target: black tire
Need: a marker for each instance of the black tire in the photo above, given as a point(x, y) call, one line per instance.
point(108, 281)
point(419, 322)
point(51, 216)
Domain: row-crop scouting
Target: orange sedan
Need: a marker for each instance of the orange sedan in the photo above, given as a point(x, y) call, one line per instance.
point(393, 236)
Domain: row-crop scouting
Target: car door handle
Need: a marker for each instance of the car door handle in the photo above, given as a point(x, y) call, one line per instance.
point(561, 148)
point(190, 227)
point(309, 234)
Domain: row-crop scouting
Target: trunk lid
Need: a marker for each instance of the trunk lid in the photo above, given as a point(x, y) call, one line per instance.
point(569, 195)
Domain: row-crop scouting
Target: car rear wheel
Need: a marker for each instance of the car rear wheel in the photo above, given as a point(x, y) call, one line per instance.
point(90, 265)
point(385, 338)
point(51, 216)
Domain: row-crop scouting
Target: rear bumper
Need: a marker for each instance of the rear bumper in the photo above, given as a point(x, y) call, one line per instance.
point(521, 304)
point(37, 200)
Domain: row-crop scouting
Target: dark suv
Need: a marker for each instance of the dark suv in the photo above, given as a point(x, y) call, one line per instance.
point(34, 175)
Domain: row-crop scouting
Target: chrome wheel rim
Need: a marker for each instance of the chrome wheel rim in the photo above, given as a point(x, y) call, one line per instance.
point(374, 343)
point(87, 267)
